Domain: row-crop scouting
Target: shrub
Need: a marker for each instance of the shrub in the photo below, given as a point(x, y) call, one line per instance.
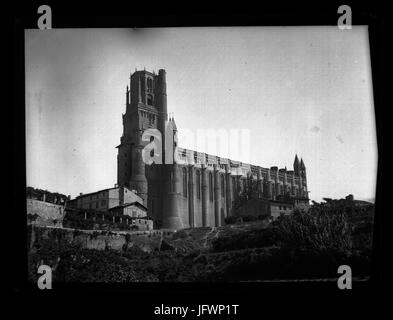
point(257, 238)
point(320, 233)
point(247, 218)
point(231, 219)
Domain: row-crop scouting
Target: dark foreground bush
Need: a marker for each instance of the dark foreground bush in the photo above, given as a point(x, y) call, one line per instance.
point(320, 233)
point(254, 238)
point(231, 219)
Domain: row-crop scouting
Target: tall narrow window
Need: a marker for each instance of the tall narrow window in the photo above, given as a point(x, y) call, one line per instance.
point(211, 186)
point(149, 84)
point(222, 186)
point(198, 184)
point(149, 99)
point(274, 189)
point(184, 182)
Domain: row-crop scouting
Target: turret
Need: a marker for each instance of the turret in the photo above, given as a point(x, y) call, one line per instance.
point(302, 169)
point(296, 166)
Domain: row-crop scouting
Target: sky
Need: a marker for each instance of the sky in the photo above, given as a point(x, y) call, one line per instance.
point(295, 90)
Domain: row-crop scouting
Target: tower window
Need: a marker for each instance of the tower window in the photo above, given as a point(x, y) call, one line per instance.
point(149, 99)
point(149, 84)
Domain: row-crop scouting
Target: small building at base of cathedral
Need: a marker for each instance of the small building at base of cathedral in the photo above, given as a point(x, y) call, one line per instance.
point(103, 200)
point(280, 208)
point(136, 213)
point(134, 210)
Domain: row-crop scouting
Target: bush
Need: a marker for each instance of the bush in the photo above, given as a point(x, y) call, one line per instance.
point(263, 216)
point(231, 220)
point(248, 218)
point(320, 233)
point(257, 238)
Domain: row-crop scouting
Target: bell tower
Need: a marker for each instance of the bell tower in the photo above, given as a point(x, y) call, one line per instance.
point(146, 108)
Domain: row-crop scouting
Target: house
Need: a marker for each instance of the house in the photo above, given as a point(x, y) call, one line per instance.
point(280, 208)
point(105, 199)
point(133, 209)
point(135, 212)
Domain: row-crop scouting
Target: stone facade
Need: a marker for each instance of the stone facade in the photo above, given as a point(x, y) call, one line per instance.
point(106, 199)
point(197, 189)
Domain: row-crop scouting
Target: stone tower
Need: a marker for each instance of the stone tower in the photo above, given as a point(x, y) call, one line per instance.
point(146, 108)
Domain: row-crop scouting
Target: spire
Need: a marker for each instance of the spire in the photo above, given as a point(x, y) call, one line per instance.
point(296, 165)
point(296, 162)
point(174, 123)
point(302, 166)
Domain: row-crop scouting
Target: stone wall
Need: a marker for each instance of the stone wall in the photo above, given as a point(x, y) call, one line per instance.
point(100, 240)
point(44, 213)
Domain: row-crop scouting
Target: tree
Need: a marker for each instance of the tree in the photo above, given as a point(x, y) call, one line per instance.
point(250, 191)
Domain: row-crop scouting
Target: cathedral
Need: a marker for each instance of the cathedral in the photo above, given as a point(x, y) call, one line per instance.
point(195, 189)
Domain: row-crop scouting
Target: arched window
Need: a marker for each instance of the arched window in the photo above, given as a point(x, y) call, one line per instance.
point(211, 186)
point(222, 186)
point(184, 182)
point(149, 99)
point(149, 84)
point(198, 184)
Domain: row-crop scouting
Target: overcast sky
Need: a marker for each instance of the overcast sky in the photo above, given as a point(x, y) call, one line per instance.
point(304, 90)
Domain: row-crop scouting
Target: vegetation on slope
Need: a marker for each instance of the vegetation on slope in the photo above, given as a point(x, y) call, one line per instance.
point(302, 245)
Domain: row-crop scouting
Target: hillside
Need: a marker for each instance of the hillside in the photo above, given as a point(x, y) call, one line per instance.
point(297, 247)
